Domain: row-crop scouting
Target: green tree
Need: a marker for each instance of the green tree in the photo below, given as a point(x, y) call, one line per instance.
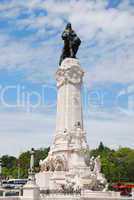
point(8, 161)
point(116, 165)
point(24, 160)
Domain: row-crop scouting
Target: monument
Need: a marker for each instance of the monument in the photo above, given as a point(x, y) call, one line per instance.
point(66, 164)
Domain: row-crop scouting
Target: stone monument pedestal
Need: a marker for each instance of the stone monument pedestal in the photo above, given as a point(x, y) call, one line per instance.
point(31, 190)
point(66, 165)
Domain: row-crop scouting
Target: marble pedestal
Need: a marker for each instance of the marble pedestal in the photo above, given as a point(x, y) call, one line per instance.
point(66, 162)
point(31, 190)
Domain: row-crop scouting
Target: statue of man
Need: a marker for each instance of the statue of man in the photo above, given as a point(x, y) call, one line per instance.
point(71, 43)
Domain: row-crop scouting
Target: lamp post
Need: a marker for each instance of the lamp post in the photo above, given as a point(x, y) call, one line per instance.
point(31, 190)
point(32, 152)
point(31, 170)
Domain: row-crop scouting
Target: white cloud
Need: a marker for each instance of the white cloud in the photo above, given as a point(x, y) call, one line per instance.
point(21, 131)
point(87, 16)
point(112, 133)
point(20, 55)
point(112, 30)
point(115, 66)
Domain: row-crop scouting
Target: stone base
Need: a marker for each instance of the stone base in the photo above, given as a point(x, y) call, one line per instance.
point(31, 191)
point(78, 178)
point(87, 194)
point(50, 180)
point(43, 180)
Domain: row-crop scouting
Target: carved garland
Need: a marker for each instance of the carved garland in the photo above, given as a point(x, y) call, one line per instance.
point(71, 75)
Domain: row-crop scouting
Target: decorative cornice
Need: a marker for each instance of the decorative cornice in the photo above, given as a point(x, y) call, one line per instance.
point(69, 72)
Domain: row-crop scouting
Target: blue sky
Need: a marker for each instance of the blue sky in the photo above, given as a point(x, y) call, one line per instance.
point(30, 46)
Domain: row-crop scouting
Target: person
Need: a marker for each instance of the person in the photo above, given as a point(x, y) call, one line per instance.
point(71, 43)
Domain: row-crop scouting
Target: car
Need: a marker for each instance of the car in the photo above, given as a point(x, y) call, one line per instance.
point(14, 183)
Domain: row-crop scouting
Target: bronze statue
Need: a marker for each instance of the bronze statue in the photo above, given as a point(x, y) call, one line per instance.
point(71, 43)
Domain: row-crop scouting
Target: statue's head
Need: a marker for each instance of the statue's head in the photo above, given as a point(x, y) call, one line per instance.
point(68, 26)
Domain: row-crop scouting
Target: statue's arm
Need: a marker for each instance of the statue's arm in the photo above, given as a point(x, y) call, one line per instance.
point(76, 38)
point(65, 35)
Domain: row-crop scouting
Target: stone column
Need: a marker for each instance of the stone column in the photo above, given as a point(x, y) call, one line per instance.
point(66, 152)
point(69, 78)
point(31, 189)
point(70, 137)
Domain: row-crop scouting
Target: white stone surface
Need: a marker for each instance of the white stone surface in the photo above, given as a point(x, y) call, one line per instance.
point(31, 190)
point(69, 107)
point(65, 164)
point(100, 194)
point(70, 137)
point(43, 179)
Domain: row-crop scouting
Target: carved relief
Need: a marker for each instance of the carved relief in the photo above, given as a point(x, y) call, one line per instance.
point(72, 74)
point(59, 164)
point(76, 100)
point(52, 163)
point(60, 138)
point(69, 62)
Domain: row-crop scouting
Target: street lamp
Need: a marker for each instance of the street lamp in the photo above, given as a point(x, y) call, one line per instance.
point(31, 174)
point(32, 152)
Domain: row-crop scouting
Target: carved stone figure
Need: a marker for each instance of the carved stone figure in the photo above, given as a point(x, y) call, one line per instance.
point(60, 163)
point(91, 164)
point(43, 164)
point(97, 165)
point(59, 166)
point(71, 43)
point(47, 164)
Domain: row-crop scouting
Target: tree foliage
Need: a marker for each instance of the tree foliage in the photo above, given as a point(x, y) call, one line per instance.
point(117, 165)
point(18, 167)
